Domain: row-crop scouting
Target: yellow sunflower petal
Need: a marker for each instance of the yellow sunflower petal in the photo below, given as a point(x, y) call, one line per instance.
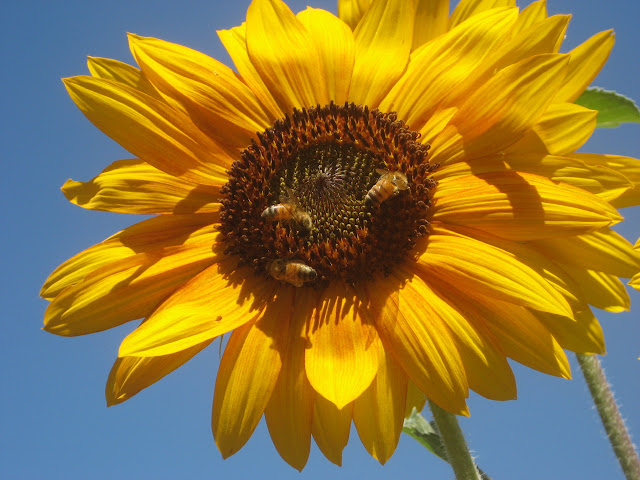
point(289, 413)
point(562, 129)
point(134, 186)
point(121, 72)
point(378, 413)
point(335, 44)
point(151, 130)
point(520, 206)
point(533, 14)
point(342, 357)
point(283, 53)
point(409, 321)
point(351, 11)
point(582, 335)
point(213, 95)
point(383, 44)
point(602, 290)
point(627, 166)
point(469, 8)
point(446, 67)
point(214, 302)
point(130, 375)
point(247, 375)
point(502, 110)
point(235, 42)
point(602, 250)
point(127, 289)
point(415, 399)
point(331, 427)
point(152, 234)
point(431, 20)
point(491, 271)
point(586, 62)
point(635, 281)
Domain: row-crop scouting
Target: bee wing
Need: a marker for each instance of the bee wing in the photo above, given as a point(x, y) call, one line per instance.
point(382, 171)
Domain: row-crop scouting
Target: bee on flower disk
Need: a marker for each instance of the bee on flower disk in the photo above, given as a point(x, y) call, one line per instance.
point(288, 209)
point(388, 185)
point(294, 272)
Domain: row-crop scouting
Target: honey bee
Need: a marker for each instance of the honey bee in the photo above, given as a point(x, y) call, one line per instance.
point(292, 271)
point(288, 209)
point(388, 185)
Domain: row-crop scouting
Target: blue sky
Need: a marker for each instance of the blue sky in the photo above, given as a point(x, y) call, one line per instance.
point(54, 420)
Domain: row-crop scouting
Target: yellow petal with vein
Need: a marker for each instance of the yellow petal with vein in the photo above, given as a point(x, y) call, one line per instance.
point(409, 321)
point(342, 357)
point(470, 8)
point(247, 375)
point(533, 14)
point(520, 206)
point(378, 413)
point(130, 375)
point(128, 289)
point(586, 61)
point(582, 335)
point(149, 129)
point(289, 413)
point(134, 186)
point(415, 399)
point(431, 20)
point(602, 290)
point(213, 95)
point(351, 11)
point(122, 73)
point(383, 44)
point(283, 53)
point(502, 110)
point(214, 302)
point(627, 166)
point(152, 234)
point(331, 427)
point(635, 282)
point(334, 42)
point(235, 42)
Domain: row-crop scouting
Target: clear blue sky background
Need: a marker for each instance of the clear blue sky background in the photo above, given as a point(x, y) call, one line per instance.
point(54, 421)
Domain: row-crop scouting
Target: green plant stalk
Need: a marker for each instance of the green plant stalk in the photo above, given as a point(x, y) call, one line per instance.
point(610, 415)
point(455, 445)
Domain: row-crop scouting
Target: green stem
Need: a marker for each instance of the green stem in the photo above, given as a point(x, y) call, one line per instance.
point(458, 453)
point(610, 415)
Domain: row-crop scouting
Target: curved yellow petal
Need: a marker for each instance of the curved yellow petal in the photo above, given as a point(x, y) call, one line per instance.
point(413, 331)
point(562, 129)
point(331, 427)
point(602, 290)
point(134, 186)
point(383, 44)
point(129, 288)
point(213, 95)
point(378, 413)
point(470, 8)
point(289, 413)
point(247, 375)
point(334, 42)
point(635, 281)
point(149, 129)
point(446, 67)
point(431, 20)
point(627, 166)
point(235, 42)
point(582, 335)
point(502, 110)
point(601, 250)
point(488, 270)
point(351, 11)
point(342, 357)
point(122, 73)
point(216, 301)
point(415, 399)
point(152, 234)
point(520, 206)
point(586, 62)
point(130, 375)
point(534, 13)
point(283, 53)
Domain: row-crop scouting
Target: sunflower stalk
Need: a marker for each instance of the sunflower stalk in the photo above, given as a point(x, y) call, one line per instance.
point(458, 453)
point(610, 415)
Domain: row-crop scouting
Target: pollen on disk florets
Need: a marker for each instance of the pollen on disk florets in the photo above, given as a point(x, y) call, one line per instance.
point(327, 159)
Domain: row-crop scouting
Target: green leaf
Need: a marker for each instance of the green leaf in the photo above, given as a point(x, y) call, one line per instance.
point(426, 433)
point(613, 108)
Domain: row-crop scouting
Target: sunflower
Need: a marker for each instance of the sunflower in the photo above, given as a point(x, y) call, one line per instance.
point(376, 207)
